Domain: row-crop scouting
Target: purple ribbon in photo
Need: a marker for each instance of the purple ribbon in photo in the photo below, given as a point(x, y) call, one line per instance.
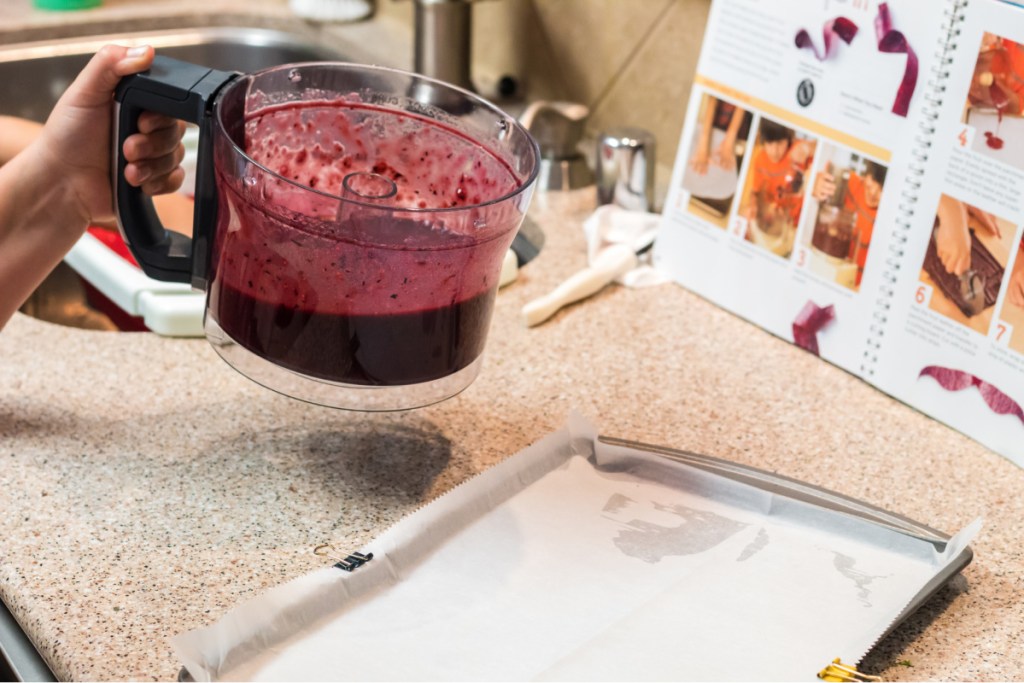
point(892, 41)
point(808, 323)
point(958, 380)
point(835, 30)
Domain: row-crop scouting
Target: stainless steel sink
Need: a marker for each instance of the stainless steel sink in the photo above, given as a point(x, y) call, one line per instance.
point(34, 75)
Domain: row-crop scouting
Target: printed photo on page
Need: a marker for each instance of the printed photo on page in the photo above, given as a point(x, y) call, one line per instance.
point(790, 139)
point(955, 348)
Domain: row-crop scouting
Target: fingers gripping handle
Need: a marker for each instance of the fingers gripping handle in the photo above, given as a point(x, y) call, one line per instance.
point(187, 92)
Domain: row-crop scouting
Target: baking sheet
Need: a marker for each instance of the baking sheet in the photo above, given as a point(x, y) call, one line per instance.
point(582, 559)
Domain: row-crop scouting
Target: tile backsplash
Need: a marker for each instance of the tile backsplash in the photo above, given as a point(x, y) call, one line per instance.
point(630, 61)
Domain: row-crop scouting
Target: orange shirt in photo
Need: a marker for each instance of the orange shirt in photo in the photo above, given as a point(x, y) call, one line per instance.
point(857, 201)
point(1015, 57)
point(1002, 60)
point(773, 180)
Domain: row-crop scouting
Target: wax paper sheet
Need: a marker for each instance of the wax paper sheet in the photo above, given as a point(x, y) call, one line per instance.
point(575, 559)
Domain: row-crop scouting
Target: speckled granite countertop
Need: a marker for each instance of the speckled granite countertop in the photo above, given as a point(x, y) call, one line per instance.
point(146, 488)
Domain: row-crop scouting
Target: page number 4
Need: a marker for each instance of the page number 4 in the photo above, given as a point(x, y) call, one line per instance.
point(965, 138)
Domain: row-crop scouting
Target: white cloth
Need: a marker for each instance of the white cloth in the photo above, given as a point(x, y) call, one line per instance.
point(611, 224)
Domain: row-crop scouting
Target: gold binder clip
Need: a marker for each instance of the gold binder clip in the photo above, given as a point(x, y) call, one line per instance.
point(352, 560)
point(837, 671)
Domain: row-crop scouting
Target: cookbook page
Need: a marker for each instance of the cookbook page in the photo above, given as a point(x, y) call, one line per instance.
point(789, 163)
point(955, 339)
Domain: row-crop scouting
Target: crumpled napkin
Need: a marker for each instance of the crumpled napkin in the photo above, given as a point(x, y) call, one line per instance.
point(611, 224)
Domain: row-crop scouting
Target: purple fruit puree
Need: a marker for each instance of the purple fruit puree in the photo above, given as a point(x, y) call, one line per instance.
point(350, 292)
point(834, 232)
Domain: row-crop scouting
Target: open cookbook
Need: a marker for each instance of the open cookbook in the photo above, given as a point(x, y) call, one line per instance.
point(850, 178)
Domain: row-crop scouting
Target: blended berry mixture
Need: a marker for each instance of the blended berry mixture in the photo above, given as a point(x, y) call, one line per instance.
point(834, 232)
point(388, 292)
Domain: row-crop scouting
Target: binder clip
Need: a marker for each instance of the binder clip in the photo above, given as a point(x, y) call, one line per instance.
point(351, 562)
point(837, 671)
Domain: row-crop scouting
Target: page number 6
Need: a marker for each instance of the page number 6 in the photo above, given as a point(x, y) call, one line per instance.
point(923, 295)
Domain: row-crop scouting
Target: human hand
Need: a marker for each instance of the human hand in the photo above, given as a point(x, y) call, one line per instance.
point(824, 185)
point(76, 138)
point(984, 220)
point(952, 237)
point(699, 160)
point(771, 214)
point(725, 155)
point(1001, 93)
point(750, 210)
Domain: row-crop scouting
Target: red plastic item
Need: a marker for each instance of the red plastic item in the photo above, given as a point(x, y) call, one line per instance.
point(123, 320)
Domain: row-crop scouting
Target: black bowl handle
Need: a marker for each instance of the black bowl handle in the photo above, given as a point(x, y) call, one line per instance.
point(187, 92)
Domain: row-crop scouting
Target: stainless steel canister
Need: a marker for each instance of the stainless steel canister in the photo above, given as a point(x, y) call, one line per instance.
point(624, 169)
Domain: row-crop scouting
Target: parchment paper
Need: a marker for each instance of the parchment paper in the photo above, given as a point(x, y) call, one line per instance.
point(575, 560)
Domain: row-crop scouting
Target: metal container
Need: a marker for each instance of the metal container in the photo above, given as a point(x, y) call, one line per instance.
point(625, 168)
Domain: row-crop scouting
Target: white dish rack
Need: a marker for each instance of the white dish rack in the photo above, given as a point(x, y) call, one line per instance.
point(170, 309)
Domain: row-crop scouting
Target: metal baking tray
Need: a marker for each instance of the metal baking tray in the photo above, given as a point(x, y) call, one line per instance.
point(812, 495)
point(823, 498)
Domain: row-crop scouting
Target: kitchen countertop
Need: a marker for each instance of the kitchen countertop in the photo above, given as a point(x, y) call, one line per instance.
point(147, 488)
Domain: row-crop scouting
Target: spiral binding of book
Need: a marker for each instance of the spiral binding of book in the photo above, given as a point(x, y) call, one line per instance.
point(933, 97)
